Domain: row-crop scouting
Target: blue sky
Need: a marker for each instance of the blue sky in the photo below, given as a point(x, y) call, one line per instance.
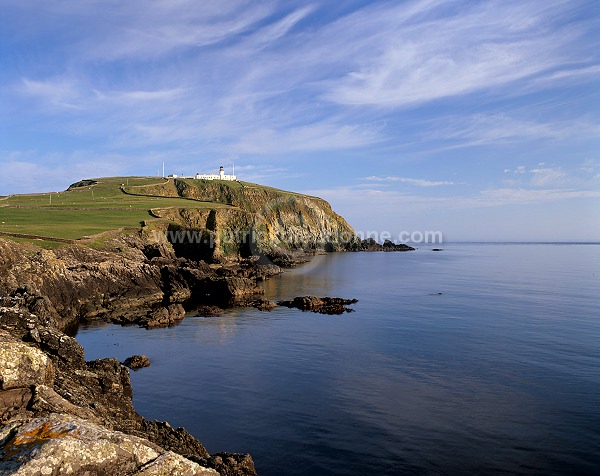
point(479, 119)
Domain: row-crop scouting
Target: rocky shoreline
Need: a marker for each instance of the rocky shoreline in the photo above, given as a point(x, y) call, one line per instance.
point(62, 414)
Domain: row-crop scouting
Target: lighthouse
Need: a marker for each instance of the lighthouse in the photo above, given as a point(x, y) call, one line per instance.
point(220, 176)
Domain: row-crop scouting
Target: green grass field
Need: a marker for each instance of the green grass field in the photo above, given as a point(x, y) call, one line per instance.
point(86, 210)
point(90, 209)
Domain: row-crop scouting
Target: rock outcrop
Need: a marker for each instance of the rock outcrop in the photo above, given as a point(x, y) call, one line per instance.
point(121, 284)
point(321, 305)
point(62, 415)
point(369, 244)
point(63, 444)
point(258, 221)
point(136, 362)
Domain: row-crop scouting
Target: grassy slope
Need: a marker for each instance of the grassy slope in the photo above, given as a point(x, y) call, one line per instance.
point(86, 210)
point(93, 209)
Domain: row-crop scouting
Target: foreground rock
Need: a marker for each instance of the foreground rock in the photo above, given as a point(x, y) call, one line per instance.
point(65, 444)
point(62, 415)
point(324, 305)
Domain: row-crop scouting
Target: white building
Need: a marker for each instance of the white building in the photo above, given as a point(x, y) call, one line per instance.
point(220, 176)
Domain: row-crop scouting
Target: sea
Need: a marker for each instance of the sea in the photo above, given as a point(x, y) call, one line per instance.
point(483, 358)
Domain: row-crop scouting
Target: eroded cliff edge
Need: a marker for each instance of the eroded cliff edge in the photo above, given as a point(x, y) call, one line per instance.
point(60, 413)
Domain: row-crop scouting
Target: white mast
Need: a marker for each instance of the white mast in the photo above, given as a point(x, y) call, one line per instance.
point(163, 169)
point(233, 172)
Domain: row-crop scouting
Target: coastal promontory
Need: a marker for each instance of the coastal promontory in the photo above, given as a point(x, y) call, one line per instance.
point(130, 250)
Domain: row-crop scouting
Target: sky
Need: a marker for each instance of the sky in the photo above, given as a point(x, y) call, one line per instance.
point(478, 119)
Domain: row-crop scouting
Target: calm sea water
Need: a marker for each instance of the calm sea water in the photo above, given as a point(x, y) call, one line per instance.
point(481, 359)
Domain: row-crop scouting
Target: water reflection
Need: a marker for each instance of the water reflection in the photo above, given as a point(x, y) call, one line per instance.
point(498, 374)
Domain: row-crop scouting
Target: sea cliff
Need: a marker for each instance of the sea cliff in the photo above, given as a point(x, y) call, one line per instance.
point(62, 414)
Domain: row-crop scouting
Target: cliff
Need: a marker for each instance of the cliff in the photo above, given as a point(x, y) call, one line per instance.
point(256, 220)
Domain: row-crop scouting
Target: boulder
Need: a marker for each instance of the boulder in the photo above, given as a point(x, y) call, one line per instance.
point(22, 366)
point(64, 444)
point(137, 362)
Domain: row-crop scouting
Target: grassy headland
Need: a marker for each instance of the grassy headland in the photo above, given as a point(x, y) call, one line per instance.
point(94, 206)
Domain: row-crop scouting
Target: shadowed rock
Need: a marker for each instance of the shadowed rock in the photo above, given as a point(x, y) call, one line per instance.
point(324, 305)
point(369, 244)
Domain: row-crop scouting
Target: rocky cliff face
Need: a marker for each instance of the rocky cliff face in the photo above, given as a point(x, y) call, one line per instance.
point(123, 285)
point(62, 415)
point(257, 220)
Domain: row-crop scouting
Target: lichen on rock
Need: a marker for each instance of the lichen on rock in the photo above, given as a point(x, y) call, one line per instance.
point(63, 444)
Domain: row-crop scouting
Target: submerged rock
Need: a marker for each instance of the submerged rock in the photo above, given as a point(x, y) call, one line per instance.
point(324, 305)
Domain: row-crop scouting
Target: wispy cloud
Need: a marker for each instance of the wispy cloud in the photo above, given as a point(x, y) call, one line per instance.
point(61, 93)
point(31, 171)
point(485, 129)
point(545, 175)
point(311, 137)
point(542, 177)
point(347, 198)
point(520, 196)
point(277, 30)
point(261, 173)
point(410, 181)
point(445, 52)
point(244, 75)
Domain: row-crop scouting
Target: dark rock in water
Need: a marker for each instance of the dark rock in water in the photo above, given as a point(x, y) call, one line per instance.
point(437, 249)
point(324, 305)
point(209, 311)
point(264, 305)
point(287, 260)
point(165, 317)
point(369, 244)
point(137, 362)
